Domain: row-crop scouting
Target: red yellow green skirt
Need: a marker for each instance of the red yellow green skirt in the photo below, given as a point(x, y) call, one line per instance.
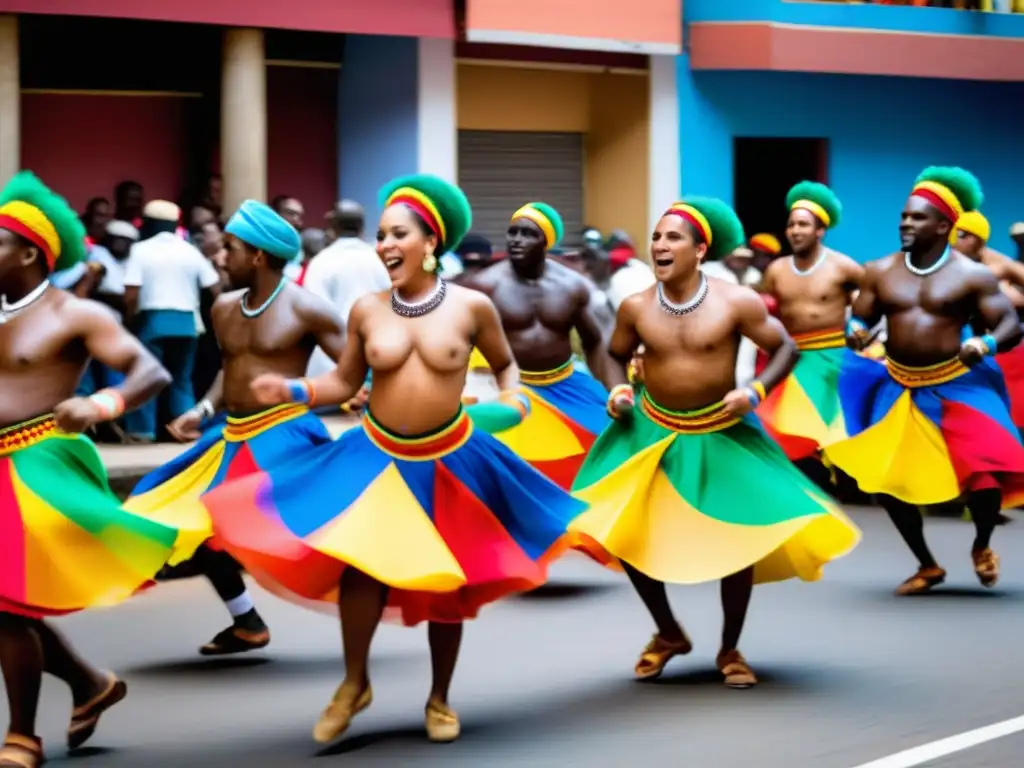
point(927, 435)
point(1012, 365)
point(450, 521)
point(68, 544)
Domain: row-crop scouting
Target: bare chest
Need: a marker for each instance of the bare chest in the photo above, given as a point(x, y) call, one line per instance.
point(26, 343)
point(441, 340)
point(941, 293)
point(699, 332)
point(824, 284)
point(522, 305)
point(266, 335)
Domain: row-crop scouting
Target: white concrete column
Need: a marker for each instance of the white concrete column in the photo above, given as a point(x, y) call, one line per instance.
point(664, 171)
point(243, 132)
point(10, 99)
point(437, 131)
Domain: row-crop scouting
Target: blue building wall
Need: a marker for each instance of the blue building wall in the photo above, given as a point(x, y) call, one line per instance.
point(378, 121)
point(882, 132)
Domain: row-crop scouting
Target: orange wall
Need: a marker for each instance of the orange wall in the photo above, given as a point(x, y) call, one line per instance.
point(610, 109)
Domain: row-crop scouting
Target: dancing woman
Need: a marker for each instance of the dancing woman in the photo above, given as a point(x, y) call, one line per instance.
point(416, 511)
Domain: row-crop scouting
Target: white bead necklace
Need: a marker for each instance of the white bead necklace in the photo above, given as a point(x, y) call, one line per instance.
point(822, 253)
point(927, 270)
point(7, 310)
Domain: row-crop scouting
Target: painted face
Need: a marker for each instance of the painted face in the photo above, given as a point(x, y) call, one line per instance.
point(402, 245)
point(525, 241)
point(675, 250)
point(803, 230)
point(921, 225)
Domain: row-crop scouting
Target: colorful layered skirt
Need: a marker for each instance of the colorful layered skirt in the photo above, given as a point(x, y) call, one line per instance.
point(1012, 365)
point(567, 413)
point(803, 413)
point(450, 521)
point(66, 542)
point(927, 435)
point(242, 446)
point(688, 497)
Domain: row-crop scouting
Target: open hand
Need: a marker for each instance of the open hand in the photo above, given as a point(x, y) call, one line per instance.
point(271, 389)
point(185, 428)
point(76, 414)
point(738, 402)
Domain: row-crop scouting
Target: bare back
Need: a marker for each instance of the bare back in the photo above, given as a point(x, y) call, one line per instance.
point(281, 341)
point(538, 315)
point(818, 299)
point(1008, 272)
point(42, 355)
point(926, 315)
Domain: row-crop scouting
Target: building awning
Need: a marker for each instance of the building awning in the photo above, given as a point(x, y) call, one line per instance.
point(407, 18)
point(650, 27)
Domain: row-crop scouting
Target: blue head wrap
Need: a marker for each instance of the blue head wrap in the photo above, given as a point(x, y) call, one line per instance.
point(260, 226)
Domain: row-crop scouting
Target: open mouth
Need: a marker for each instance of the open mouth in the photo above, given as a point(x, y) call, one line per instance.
point(663, 261)
point(393, 264)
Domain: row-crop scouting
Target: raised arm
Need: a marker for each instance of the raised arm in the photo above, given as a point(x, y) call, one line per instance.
point(107, 341)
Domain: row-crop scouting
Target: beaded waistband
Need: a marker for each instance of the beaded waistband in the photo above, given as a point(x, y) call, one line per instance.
point(241, 428)
point(711, 418)
point(925, 376)
point(425, 447)
point(18, 436)
point(547, 378)
point(829, 339)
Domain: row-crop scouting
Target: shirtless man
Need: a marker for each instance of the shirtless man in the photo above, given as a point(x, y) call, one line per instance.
point(268, 325)
point(57, 511)
point(812, 289)
point(972, 234)
point(931, 424)
point(684, 487)
point(541, 302)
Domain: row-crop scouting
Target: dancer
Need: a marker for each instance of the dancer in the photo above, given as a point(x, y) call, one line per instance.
point(65, 542)
point(971, 239)
point(416, 510)
point(933, 423)
point(684, 486)
point(813, 289)
point(269, 326)
point(540, 303)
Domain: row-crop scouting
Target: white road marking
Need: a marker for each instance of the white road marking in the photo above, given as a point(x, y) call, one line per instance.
point(936, 749)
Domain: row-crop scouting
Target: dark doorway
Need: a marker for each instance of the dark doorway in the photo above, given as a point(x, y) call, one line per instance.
point(764, 171)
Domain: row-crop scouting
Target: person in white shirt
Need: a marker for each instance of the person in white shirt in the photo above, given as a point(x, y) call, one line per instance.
point(736, 269)
point(343, 272)
point(163, 279)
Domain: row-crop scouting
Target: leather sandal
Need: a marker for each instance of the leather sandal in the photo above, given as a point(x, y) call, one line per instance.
point(922, 581)
point(236, 640)
point(85, 718)
point(21, 752)
point(657, 654)
point(337, 717)
point(442, 723)
point(986, 566)
point(737, 672)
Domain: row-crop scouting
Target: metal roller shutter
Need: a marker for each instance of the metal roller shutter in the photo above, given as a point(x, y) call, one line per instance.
point(501, 170)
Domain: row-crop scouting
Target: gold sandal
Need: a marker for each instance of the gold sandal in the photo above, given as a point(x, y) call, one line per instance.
point(442, 723)
point(657, 654)
point(337, 717)
point(737, 672)
point(21, 752)
point(922, 581)
point(986, 566)
point(85, 718)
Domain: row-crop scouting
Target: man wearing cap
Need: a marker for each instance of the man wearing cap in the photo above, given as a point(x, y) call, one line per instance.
point(540, 303)
point(163, 279)
point(270, 325)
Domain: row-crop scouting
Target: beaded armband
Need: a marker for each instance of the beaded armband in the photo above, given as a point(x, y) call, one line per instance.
point(302, 391)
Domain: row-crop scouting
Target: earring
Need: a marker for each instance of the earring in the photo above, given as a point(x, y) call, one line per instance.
point(429, 261)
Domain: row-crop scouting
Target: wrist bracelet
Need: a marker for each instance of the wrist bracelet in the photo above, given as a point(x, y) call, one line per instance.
point(205, 408)
point(299, 391)
point(615, 394)
point(110, 403)
point(516, 399)
point(759, 388)
point(990, 344)
point(753, 396)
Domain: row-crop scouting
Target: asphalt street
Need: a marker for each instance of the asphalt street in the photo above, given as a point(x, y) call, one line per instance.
point(849, 674)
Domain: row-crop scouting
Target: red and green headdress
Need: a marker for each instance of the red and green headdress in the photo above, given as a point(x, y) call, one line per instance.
point(546, 218)
point(817, 199)
point(35, 212)
point(713, 221)
point(442, 206)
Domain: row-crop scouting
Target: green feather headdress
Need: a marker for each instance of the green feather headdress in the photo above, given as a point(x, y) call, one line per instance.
point(726, 230)
point(442, 205)
point(32, 210)
point(818, 199)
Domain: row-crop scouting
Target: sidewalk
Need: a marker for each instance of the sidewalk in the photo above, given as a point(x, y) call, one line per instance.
point(127, 463)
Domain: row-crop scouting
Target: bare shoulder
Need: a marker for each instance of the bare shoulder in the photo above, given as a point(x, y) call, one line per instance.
point(367, 305)
point(847, 263)
point(884, 264)
point(309, 304)
point(973, 272)
point(471, 298)
point(777, 265)
point(633, 305)
point(487, 279)
point(83, 314)
point(743, 299)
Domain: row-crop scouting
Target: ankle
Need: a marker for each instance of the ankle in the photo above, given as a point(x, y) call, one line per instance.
point(250, 620)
